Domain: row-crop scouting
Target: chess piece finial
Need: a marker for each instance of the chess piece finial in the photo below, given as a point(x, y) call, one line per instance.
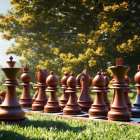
point(11, 63)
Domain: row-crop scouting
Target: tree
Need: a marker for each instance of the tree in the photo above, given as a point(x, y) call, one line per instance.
point(73, 35)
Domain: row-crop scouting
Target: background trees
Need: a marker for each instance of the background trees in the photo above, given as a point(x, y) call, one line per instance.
point(73, 35)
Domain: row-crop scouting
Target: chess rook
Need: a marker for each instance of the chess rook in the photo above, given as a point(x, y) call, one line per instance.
point(41, 99)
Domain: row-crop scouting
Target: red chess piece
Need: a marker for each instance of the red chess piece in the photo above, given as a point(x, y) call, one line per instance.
point(127, 81)
point(136, 106)
point(41, 99)
point(10, 109)
point(36, 93)
point(35, 87)
point(85, 100)
point(98, 108)
point(104, 94)
point(64, 98)
point(26, 99)
point(78, 81)
point(2, 95)
point(72, 107)
point(52, 105)
point(119, 110)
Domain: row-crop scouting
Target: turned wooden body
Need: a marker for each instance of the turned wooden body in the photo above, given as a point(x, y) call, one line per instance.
point(52, 105)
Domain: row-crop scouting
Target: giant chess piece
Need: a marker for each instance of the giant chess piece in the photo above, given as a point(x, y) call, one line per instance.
point(2, 95)
point(41, 99)
point(104, 94)
point(136, 105)
point(36, 88)
point(78, 81)
point(98, 108)
point(126, 91)
point(52, 105)
point(85, 100)
point(10, 109)
point(72, 107)
point(64, 98)
point(26, 99)
point(119, 110)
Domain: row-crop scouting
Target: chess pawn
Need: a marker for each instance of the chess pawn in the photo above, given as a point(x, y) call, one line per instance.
point(136, 106)
point(36, 93)
point(78, 81)
point(10, 109)
point(26, 99)
point(64, 98)
point(2, 95)
point(127, 81)
point(72, 107)
point(119, 110)
point(41, 99)
point(36, 88)
point(98, 108)
point(104, 94)
point(52, 105)
point(85, 100)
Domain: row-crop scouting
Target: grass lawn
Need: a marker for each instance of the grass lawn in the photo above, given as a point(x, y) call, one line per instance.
point(41, 127)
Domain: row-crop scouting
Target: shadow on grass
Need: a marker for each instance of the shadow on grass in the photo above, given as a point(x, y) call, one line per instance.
point(59, 125)
point(10, 135)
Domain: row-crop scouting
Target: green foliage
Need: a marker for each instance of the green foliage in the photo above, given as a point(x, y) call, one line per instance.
point(73, 35)
point(44, 126)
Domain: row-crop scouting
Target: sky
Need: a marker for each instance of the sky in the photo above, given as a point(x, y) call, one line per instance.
point(4, 44)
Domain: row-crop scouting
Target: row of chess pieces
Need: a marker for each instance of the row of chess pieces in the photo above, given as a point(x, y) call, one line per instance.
point(120, 109)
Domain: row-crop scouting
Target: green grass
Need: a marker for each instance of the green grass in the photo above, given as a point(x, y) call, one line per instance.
point(43, 126)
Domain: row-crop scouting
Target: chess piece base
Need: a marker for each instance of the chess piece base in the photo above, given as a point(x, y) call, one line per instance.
point(72, 109)
point(52, 107)
point(85, 106)
point(98, 111)
point(38, 105)
point(135, 112)
point(119, 114)
point(26, 102)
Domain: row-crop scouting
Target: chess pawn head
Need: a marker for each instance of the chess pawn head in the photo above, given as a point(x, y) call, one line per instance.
point(99, 80)
point(51, 80)
point(137, 76)
point(71, 82)
point(106, 78)
point(64, 80)
point(78, 81)
point(26, 77)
